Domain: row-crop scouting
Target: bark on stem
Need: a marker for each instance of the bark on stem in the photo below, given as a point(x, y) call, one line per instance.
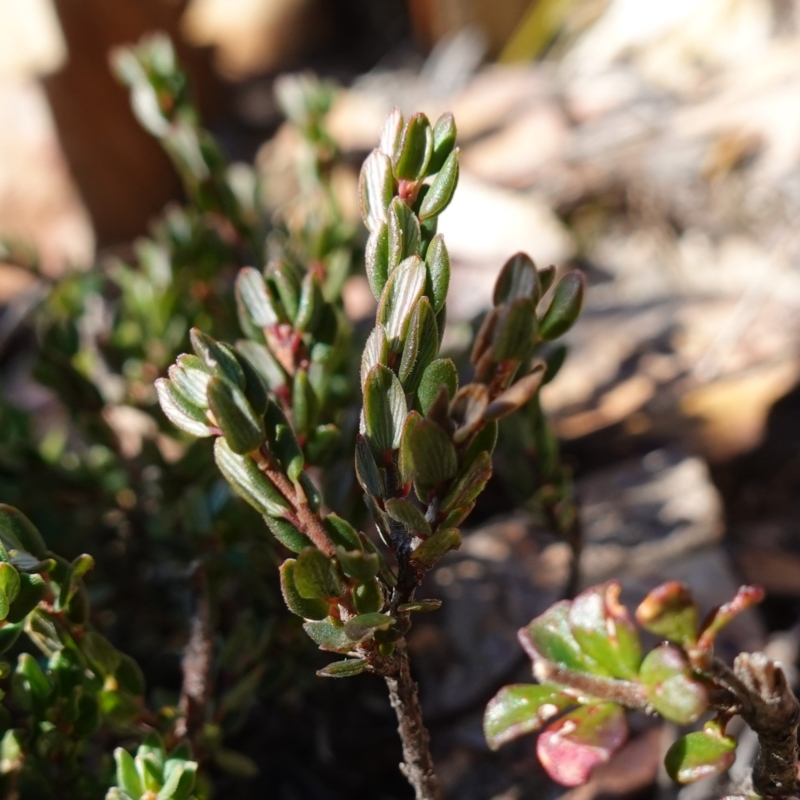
point(417, 763)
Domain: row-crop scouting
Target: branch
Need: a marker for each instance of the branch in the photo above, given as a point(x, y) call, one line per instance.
point(197, 661)
point(418, 763)
point(772, 711)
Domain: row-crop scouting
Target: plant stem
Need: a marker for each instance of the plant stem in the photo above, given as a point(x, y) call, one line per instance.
point(197, 662)
point(773, 712)
point(417, 763)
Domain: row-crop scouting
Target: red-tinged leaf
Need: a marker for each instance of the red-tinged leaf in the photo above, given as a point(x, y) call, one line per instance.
point(573, 746)
point(746, 597)
point(604, 630)
point(671, 688)
point(700, 755)
point(550, 637)
point(519, 709)
point(670, 611)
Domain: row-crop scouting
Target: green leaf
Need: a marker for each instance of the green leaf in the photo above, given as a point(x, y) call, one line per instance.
point(9, 587)
point(517, 280)
point(384, 409)
point(400, 295)
point(517, 395)
point(286, 279)
point(9, 634)
point(264, 363)
point(77, 569)
point(700, 755)
point(368, 597)
point(550, 637)
point(435, 546)
point(433, 455)
point(175, 786)
point(514, 330)
point(17, 532)
point(248, 481)
point(287, 534)
point(469, 484)
point(315, 575)
point(405, 459)
point(25, 562)
point(414, 149)
point(571, 748)
point(409, 515)
point(671, 688)
point(343, 669)
point(421, 346)
point(242, 429)
point(519, 709)
point(180, 411)
point(31, 686)
point(309, 308)
point(282, 442)
point(342, 533)
point(365, 625)
point(546, 277)
point(32, 589)
point(218, 358)
point(605, 631)
point(358, 564)
point(439, 373)
point(190, 377)
point(670, 611)
point(295, 602)
point(304, 403)
point(444, 140)
point(424, 606)
point(564, 308)
point(252, 298)
point(127, 777)
point(102, 655)
point(376, 259)
point(404, 233)
point(376, 351)
point(321, 444)
point(442, 188)
point(375, 189)
point(130, 676)
point(437, 261)
point(254, 389)
point(329, 634)
point(391, 132)
point(367, 472)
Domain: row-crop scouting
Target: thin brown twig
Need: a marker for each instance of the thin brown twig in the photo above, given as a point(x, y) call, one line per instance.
point(198, 656)
point(417, 763)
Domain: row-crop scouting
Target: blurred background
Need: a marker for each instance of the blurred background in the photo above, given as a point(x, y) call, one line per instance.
point(656, 146)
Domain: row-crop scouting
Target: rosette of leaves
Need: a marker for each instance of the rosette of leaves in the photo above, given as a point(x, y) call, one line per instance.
point(54, 705)
point(588, 660)
point(153, 773)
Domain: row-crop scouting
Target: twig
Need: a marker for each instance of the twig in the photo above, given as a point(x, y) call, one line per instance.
point(197, 662)
point(417, 763)
point(772, 711)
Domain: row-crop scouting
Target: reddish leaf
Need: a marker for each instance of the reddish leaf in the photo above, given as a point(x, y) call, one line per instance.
point(572, 747)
